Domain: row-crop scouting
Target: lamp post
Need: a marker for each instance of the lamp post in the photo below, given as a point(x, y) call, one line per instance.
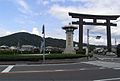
point(43, 32)
point(88, 36)
point(87, 50)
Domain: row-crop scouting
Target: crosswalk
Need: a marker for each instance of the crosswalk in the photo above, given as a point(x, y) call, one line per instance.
point(112, 65)
point(6, 70)
point(99, 66)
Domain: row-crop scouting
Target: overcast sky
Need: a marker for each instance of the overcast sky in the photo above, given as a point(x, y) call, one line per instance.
point(30, 15)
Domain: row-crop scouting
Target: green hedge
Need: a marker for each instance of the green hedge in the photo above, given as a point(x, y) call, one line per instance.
point(18, 58)
point(18, 52)
point(64, 56)
point(83, 51)
point(23, 57)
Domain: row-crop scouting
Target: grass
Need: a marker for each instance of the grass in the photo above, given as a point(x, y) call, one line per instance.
point(25, 57)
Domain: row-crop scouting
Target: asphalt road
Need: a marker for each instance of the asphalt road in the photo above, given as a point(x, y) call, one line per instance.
point(87, 71)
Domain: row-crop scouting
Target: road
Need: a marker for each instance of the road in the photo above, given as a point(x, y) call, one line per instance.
point(87, 71)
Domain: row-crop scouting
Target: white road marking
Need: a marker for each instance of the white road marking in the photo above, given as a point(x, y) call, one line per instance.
point(59, 70)
point(42, 64)
point(32, 71)
point(110, 79)
point(83, 69)
point(56, 70)
point(104, 64)
point(41, 71)
point(116, 68)
point(102, 68)
point(109, 58)
point(7, 69)
point(45, 64)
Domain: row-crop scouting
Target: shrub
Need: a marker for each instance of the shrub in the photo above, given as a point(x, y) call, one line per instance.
point(8, 52)
point(25, 57)
point(81, 51)
point(19, 58)
point(54, 52)
point(64, 56)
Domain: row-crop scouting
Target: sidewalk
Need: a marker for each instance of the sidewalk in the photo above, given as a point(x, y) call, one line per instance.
point(107, 58)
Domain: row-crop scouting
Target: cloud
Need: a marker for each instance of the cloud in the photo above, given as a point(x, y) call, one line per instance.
point(23, 31)
point(43, 2)
point(98, 7)
point(24, 7)
point(57, 33)
point(61, 13)
point(48, 2)
point(4, 32)
point(57, 0)
point(23, 4)
point(35, 31)
point(27, 14)
point(23, 21)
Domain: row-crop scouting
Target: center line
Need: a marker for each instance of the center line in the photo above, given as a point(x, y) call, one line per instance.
point(7, 69)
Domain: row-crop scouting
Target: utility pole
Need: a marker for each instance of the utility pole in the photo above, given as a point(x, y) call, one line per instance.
point(115, 42)
point(115, 46)
point(87, 51)
point(43, 32)
point(88, 37)
point(18, 47)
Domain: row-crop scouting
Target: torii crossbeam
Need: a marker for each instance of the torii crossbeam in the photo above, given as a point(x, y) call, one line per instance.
point(95, 18)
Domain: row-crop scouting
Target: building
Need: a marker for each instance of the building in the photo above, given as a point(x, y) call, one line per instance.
point(27, 48)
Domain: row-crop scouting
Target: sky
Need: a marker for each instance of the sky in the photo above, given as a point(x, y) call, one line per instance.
point(30, 15)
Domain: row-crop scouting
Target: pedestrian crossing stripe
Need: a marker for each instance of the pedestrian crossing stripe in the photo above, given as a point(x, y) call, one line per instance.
point(104, 64)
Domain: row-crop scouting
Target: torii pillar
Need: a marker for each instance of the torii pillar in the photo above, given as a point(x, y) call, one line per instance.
point(108, 35)
point(80, 44)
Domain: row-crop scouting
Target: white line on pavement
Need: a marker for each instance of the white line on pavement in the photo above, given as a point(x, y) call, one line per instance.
point(42, 64)
point(83, 69)
point(104, 64)
point(57, 70)
point(110, 79)
point(49, 64)
point(7, 69)
point(116, 68)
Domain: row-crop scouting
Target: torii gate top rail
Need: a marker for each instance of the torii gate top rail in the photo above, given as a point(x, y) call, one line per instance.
point(89, 16)
point(95, 18)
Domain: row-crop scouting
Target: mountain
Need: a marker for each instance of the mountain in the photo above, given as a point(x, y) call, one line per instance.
point(23, 38)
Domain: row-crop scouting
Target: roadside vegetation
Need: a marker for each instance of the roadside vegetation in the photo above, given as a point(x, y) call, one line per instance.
point(29, 57)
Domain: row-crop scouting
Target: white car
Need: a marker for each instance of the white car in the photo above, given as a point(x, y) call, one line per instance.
point(110, 54)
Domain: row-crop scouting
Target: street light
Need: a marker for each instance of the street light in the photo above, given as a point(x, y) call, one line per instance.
point(87, 50)
point(97, 37)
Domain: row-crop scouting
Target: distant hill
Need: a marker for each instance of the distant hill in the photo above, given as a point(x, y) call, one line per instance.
point(24, 38)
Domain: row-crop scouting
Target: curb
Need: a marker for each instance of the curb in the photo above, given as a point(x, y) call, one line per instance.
point(54, 61)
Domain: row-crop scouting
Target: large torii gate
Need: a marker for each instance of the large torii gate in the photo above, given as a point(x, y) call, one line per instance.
point(95, 18)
